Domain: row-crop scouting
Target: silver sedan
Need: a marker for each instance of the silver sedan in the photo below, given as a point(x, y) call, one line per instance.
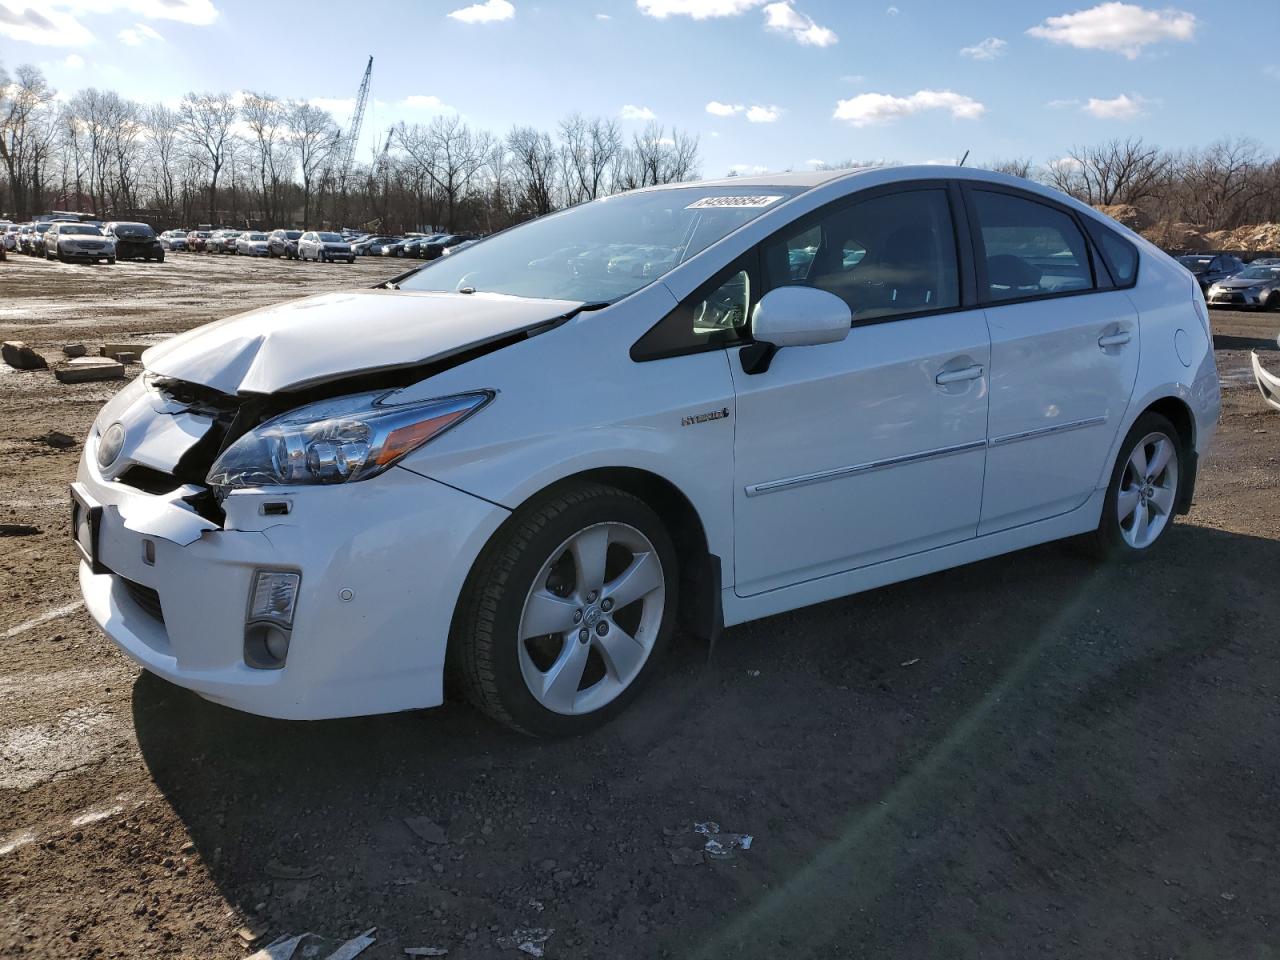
point(1257, 287)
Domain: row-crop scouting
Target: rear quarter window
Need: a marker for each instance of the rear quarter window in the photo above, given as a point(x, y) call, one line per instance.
point(1120, 255)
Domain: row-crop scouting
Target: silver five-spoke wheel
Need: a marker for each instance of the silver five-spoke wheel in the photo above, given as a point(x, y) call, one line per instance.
point(1148, 490)
point(591, 618)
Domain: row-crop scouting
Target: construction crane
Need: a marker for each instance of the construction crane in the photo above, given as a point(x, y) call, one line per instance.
point(353, 132)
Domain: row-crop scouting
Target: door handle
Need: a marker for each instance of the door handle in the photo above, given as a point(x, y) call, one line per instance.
point(1115, 339)
point(958, 376)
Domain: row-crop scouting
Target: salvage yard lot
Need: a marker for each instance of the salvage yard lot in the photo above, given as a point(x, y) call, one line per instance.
point(1033, 755)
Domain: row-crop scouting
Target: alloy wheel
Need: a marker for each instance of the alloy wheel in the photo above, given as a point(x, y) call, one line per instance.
point(1148, 490)
point(590, 619)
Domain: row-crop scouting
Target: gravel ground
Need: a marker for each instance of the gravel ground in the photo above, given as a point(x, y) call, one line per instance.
point(1033, 755)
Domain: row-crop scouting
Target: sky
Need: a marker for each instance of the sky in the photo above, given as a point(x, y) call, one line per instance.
point(765, 84)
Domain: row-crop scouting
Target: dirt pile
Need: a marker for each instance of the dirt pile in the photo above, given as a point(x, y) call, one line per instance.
point(1125, 213)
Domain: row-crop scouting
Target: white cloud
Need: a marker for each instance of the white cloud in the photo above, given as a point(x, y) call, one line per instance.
point(490, 11)
point(697, 9)
point(1065, 163)
point(760, 114)
point(869, 108)
point(137, 35)
point(718, 109)
point(58, 23)
point(420, 101)
point(1123, 107)
point(1062, 104)
point(73, 61)
point(852, 78)
point(747, 168)
point(630, 111)
point(603, 16)
point(987, 49)
point(1123, 28)
point(784, 18)
point(892, 11)
point(338, 106)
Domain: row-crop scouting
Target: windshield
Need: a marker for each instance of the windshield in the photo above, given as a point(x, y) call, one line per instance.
point(1257, 273)
point(133, 230)
point(330, 238)
point(292, 234)
point(1194, 264)
point(602, 250)
point(69, 228)
point(255, 236)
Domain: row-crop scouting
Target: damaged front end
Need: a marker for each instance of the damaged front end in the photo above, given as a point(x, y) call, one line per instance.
point(1268, 383)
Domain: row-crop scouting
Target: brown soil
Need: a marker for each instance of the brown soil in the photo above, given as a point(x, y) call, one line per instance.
point(1033, 755)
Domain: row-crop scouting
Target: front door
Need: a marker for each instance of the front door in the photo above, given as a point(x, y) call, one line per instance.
point(856, 452)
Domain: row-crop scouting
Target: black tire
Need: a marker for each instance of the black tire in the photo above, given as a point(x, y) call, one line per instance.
point(1108, 541)
point(160, 259)
point(1273, 301)
point(484, 659)
point(111, 260)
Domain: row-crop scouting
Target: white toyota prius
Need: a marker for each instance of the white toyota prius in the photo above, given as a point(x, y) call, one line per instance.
point(524, 465)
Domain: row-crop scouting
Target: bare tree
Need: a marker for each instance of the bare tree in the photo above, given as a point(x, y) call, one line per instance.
point(264, 115)
point(313, 137)
point(533, 157)
point(449, 152)
point(1014, 167)
point(206, 121)
point(161, 133)
point(1120, 171)
point(26, 124)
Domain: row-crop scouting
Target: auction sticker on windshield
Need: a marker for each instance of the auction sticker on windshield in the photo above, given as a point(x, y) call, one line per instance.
point(706, 202)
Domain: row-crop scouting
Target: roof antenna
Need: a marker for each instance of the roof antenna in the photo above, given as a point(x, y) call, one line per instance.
point(963, 159)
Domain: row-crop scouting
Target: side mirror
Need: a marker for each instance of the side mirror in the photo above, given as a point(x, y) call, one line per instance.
point(794, 317)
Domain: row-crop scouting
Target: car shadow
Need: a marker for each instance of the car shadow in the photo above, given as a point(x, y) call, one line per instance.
point(1228, 342)
point(1032, 728)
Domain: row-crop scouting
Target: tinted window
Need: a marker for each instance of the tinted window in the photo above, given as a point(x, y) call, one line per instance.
point(885, 256)
point(717, 314)
point(1031, 248)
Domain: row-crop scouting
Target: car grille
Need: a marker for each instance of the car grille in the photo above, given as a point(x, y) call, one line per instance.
point(90, 245)
point(145, 597)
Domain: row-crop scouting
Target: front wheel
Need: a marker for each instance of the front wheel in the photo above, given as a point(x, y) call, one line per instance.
point(1143, 493)
point(566, 613)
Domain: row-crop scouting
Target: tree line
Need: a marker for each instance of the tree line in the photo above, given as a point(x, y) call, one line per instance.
point(256, 159)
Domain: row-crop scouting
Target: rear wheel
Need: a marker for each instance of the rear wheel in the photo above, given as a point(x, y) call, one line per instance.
point(566, 613)
point(1143, 492)
point(1273, 301)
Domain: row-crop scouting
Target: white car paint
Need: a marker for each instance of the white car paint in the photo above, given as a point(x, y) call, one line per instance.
point(311, 246)
point(807, 481)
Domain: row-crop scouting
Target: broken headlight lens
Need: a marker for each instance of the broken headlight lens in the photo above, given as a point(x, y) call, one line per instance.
point(337, 441)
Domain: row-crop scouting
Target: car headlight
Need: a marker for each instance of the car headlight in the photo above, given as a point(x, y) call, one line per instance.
point(338, 441)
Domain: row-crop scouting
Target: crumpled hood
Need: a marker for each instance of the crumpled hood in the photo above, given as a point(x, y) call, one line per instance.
point(309, 341)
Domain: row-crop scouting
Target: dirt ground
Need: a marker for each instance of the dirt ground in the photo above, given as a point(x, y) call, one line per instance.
point(1029, 756)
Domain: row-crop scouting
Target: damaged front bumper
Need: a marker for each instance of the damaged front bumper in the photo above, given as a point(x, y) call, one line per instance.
point(1268, 383)
point(382, 563)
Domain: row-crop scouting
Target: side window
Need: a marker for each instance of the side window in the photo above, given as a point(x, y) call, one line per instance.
point(1120, 255)
point(1031, 248)
point(715, 315)
point(886, 256)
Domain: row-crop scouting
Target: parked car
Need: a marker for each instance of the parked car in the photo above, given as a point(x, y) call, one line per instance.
point(1265, 262)
point(412, 246)
point(459, 246)
point(68, 241)
point(252, 244)
point(284, 243)
point(174, 240)
point(754, 433)
point(198, 240)
point(1210, 268)
point(432, 250)
point(35, 239)
point(323, 246)
point(222, 241)
point(10, 237)
point(1255, 287)
point(135, 241)
point(366, 246)
point(394, 248)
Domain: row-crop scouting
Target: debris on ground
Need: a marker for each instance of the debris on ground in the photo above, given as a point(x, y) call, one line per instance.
point(720, 846)
point(83, 369)
point(427, 829)
point(74, 350)
point(59, 440)
point(910, 663)
point(312, 946)
point(18, 530)
point(21, 357)
point(118, 351)
point(427, 951)
point(528, 941)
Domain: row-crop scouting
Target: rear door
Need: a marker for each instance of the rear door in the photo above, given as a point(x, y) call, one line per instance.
point(1064, 356)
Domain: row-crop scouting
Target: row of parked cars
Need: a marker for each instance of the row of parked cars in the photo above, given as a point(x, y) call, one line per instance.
point(417, 246)
point(1227, 281)
point(69, 239)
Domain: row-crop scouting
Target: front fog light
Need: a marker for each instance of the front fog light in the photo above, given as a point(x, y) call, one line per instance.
point(110, 445)
point(274, 595)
